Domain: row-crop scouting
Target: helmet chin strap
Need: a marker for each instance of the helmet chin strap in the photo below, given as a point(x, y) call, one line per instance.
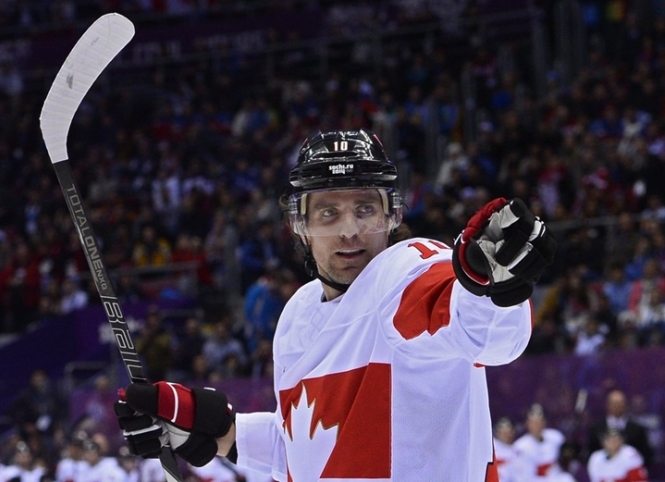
point(312, 270)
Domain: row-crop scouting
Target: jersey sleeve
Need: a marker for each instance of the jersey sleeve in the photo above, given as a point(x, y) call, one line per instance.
point(260, 447)
point(428, 313)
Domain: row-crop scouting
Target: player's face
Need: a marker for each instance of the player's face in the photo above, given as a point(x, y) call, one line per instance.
point(342, 256)
point(506, 434)
point(612, 443)
point(535, 425)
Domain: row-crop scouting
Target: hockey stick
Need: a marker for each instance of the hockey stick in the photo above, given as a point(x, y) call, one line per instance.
point(98, 45)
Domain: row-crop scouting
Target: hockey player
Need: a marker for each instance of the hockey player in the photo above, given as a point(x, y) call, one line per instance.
point(378, 363)
point(505, 456)
point(616, 461)
point(538, 448)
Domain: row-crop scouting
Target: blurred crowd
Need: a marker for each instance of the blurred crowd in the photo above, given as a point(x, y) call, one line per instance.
point(185, 165)
point(38, 16)
point(182, 165)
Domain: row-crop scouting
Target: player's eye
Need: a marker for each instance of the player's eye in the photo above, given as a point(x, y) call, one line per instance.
point(366, 209)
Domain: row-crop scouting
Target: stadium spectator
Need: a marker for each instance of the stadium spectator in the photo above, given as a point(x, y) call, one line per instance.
point(616, 287)
point(608, 320)
point(201, 373)
point(263, 305)
point(40, 407)
point(153, 344)
point(261, 360)
point(129, 289)
point(624, 240)
point(23, 288)
point(259, 253)
point(223, 353)
point(185, 348)
point(50, 302)
point(95, 416)
point(590, 337)
point(73, 297)
point(151, 249)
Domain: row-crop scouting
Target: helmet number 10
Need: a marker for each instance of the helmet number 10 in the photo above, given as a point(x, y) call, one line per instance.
point(341, 145)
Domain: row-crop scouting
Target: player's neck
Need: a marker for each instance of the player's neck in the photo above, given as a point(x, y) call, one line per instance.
point(330, 293)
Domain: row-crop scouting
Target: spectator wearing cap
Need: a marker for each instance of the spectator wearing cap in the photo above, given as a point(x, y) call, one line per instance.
point(538, 449)
point(616, 460)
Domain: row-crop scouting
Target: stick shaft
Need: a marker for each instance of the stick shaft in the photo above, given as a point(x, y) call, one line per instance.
point(121, 333)
point(100, 275)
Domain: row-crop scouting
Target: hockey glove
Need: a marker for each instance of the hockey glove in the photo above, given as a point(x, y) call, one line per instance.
point(190, 421)
point(502, 252)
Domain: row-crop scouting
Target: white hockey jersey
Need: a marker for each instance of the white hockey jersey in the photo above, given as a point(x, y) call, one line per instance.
point(537, 456)
point(508, 462)
point(385, 383)
point(627, 465)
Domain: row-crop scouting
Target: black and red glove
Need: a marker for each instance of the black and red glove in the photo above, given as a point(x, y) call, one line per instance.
point(502, 252)
point(190, 421)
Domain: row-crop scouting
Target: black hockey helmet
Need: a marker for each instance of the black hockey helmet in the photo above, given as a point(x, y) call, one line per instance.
point(344, 160)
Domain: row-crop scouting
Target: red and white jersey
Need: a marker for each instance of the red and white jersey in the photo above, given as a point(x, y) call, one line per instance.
point(385, 383)
point(538, 456)
point(508, 462)
point(627, 465)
